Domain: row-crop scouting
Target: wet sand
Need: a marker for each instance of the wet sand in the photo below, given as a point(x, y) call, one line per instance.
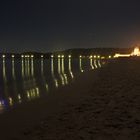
point(103, 104)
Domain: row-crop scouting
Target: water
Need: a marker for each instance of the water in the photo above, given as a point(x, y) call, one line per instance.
point(27, 78)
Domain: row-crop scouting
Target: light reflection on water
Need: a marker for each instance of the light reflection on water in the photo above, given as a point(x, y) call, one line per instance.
point(29, 78)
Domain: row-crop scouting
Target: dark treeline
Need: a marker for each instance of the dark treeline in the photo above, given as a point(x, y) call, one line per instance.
point(75, 52)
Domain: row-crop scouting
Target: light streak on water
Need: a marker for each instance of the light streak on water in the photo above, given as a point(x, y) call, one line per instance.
point(52, 72)
point(70, 69)
point(22, 67)
point(42, 74)
point(91, 63)
point(95, 63)
point(99, 63)
point(80, 64)
point(63, 70)
point(4, 70)
point(59, 72)
point(13, 68)
point(32, 66)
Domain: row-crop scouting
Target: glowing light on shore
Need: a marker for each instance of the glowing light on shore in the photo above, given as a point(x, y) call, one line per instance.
point(69, 56)
point(136, 52)
point(3, 56)
point(121, 55)
point(32, 56)
point(90, 57)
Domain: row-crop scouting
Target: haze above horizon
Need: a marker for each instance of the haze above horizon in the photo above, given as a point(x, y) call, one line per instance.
point(49, 25)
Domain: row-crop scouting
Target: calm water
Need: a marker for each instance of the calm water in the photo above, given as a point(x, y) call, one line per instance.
point(25, 79)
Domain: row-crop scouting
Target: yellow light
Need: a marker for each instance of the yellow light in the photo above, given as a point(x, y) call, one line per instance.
point(80, 56)
point(94, 56)
point(13, 56)
point(22, 56)
point(28, 94)
point(136, 52)
point(69, 56)
point(19, 97)
point(3, 56)
point(91, 56)
point(109, 56)
point(10, 101)
point(58, 56)
point(98, 56)
point(42, 56)
point(121, 55)
point(32, 56)
point(62, 56)
point(52, 56)
point(37, 90)
point(47, 87)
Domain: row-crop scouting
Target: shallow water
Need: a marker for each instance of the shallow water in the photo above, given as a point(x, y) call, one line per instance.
point(25, 79)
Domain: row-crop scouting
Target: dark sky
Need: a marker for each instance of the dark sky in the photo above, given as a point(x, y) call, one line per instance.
point(50, 25)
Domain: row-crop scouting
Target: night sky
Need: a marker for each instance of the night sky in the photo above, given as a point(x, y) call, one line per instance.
point(49, 25)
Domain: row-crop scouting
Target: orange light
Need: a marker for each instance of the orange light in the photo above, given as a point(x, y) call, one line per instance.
point(136, 52)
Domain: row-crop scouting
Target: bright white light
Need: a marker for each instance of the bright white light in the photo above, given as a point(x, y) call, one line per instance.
point(3, 56)
point(91, 56)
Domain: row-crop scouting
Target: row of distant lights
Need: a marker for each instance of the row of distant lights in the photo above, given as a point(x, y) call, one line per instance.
point(28, 56)
point(60, 56)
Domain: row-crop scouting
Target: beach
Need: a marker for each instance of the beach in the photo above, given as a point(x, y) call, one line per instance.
point(101, 104)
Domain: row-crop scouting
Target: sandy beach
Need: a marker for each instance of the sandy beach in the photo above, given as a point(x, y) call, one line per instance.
point(103, 104)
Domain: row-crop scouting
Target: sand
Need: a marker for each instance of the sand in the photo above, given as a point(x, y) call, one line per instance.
point(103, 104)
